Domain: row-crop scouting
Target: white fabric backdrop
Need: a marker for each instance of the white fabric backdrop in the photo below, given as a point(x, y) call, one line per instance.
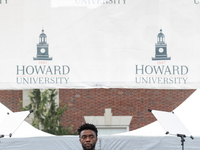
point(109, 46)
point(104, 143)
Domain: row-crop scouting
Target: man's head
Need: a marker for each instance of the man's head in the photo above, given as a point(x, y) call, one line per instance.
point(88, 136)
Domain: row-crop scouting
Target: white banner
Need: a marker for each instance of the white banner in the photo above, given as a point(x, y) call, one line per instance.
point(100, 44)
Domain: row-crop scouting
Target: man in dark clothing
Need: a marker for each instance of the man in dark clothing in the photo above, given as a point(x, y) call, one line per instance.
point(88, 136)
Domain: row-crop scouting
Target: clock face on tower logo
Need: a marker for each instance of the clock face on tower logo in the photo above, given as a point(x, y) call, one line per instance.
point(42, 50)
point(161, 50)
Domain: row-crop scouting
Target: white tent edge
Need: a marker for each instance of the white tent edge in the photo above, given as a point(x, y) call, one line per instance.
point(25, 129)
point(187, 112)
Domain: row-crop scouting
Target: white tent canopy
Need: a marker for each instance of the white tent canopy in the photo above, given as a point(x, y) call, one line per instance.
point(188, 112)
point(24, 130)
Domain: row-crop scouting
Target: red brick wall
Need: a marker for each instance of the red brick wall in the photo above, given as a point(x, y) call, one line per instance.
point(124, 102)
point(11, 99)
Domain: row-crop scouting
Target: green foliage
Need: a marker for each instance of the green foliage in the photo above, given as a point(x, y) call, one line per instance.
point(46, 112)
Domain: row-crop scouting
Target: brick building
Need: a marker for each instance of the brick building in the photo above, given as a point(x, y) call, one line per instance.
point(119, 103)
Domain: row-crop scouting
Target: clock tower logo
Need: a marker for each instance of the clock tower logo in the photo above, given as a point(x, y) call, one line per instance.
point(161, 48)
point(42, 48)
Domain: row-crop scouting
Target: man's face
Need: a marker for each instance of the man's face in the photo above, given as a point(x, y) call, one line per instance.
point(88, 139)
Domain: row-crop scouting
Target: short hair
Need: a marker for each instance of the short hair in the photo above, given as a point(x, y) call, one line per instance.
point(87, 126)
